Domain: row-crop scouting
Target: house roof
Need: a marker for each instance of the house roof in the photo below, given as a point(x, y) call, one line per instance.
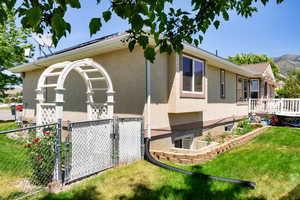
point(258, 68)
point(114, 42)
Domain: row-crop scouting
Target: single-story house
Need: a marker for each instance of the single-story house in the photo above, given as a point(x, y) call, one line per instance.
point(191, 92)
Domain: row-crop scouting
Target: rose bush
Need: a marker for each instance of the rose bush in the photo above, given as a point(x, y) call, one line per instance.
point(41, 151)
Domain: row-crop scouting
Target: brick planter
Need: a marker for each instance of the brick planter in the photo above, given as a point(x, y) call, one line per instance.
point(198, 158)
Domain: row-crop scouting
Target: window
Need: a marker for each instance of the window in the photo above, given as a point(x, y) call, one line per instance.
point(178, 143)
point(228, 127)
point(183, 142)
point(193, 73)
point(242, 89)
point(266, 89)
point(254, 89)
point(222, 83)
point(245, 89)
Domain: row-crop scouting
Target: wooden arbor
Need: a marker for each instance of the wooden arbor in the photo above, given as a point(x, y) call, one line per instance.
point(51, 112)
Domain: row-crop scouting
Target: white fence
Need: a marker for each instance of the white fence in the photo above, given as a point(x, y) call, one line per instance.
point(288, 107)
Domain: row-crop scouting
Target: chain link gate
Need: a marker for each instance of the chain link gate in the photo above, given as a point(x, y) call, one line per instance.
point(93, 146)
point(131, 140)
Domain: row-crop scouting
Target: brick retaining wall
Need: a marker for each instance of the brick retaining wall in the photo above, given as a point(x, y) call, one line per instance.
point(198, 158)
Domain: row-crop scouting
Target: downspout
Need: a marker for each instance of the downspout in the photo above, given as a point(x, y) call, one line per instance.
point(148, 95)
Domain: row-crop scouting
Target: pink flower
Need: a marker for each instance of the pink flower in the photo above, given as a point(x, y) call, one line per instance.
point(46, 133)
point(36, 140)
point(39, 158)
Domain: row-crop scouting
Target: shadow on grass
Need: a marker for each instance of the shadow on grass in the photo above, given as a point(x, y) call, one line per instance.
point(193, 188)
point(196, 189)
point(89, 193)
point(293, 194)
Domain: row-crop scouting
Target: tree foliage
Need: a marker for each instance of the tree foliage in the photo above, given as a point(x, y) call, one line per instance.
point(243, 59)
point(170, 26)
point(13, 42)
point(291, 86)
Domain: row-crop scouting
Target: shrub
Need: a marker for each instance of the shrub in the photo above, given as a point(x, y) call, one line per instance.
point(243, 127)
point(42, 155)
point(208, 138)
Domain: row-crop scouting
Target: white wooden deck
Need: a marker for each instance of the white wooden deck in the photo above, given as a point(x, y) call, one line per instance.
point(284, 107)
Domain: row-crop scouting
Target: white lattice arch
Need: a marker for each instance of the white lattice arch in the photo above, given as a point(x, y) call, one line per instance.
point(51, 112)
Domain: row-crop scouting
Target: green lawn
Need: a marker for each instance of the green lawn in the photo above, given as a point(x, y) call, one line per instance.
point(13, 162)
point(272, 160)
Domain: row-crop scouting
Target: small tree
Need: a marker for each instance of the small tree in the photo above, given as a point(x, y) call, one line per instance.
point(291, 87)
point(13, 42)
point(243, 59)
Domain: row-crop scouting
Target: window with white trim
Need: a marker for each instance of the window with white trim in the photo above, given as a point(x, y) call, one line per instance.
point(254, 89)
point(184, 142)
point(192, 75)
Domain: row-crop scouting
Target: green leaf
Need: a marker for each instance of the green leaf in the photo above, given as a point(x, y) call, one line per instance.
point(143, 41)
point(74, 3)
point(95, 25)
point(217, 24)
point(33, 16)
point(131, 45)
point(149, 54)
point(225, 16)
point(106, 15)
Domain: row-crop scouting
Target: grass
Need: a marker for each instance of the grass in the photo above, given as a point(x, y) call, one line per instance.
point(4, 108)
point(272, 160)
point(13, 163)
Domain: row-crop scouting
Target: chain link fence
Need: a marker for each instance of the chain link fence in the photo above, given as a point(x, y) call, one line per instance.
point(93, 146)
point(130, 140)
point(28, 159)
point(35, 157)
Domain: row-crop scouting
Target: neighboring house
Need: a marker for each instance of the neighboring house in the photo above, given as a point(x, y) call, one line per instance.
point(191, 92)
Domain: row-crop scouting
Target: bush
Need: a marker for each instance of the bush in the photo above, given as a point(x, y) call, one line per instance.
point(243, 127)
point(42, 155)
point(208, 138)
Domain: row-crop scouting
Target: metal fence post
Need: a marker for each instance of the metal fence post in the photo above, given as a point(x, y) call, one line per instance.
point(68, 155)
point(142, 139)
point(58, 169)
point(116, 138)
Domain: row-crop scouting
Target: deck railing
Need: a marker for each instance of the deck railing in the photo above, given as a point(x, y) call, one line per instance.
point(290, 107)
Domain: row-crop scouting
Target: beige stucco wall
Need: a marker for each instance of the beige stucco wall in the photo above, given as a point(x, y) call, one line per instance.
point(212, 107)
point(128, 74)
point(217, 107)
point(127, 71)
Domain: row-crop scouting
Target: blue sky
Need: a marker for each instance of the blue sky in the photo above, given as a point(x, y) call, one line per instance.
point(274, 30)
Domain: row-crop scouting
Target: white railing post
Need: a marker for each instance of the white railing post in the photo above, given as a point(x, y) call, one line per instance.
point(281, 105)
point(249, 105)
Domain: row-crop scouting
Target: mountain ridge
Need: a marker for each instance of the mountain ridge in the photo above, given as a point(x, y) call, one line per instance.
point(287, 62)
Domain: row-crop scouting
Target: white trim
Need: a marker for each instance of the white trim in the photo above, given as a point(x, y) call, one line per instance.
point(193, 76)
point(253, 90)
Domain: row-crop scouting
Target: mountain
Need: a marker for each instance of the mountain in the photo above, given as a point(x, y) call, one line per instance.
point(288, 62)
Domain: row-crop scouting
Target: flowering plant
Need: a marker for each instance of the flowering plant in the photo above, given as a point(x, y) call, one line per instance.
point(41, 152)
